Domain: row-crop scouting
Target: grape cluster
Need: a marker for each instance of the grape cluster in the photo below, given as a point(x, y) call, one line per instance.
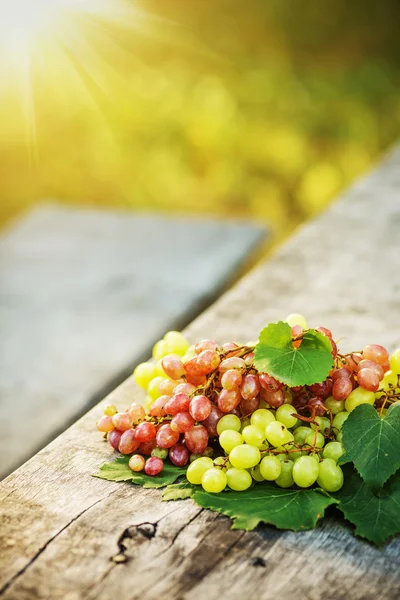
point(209, 408)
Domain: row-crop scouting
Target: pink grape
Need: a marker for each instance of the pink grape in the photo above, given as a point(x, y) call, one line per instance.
point(182, 422)
point(376, 353)
point(200, 407)
point(368, 379)
point(157, 408)
point(167, 387)
point(228, 400)
point(114, 438)
point(269, 383)
point(208, 360)
point(297, 330)
point(196, 439)
point(369, 364)
point(301, 400)
point(250, 387)
point(248, 359)
point(145, 432)
point(342, 388)
point(324, 331)
point(297, 388)
point(166, 436)
point(179, 455)
point(136, 463)
point(353, 360)
point(128, 442)
point(231, 379)
point(339, 373)
point(234, 362)
point(229, 347)
point(153, 466)
point(205, 345)
point(105, 424)
point(146, 448)
point(137, 412)
point(211, 422)
point(178, 403)
point(122, 421)
point(247, 407)
point(173, 366)
point(193, 368)
point(317, 404)
point(274, 399)
point(184, 388)
point(323, 389)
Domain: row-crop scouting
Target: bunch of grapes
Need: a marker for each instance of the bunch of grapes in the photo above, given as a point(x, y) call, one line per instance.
point(208, 408)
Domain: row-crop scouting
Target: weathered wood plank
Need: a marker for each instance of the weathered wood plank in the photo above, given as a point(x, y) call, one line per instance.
point(71, 536)
point(84, 294)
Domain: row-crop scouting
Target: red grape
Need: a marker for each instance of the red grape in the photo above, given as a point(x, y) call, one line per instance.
point(228, 400)
point(122, 421)
point(211, 422)
point(114, 438)
point(182, 422)
point(269, 383)
point(229, 347)
point(370, 364)
point(231, 379)
point(146, 448)
point(184, 388)
point(166, 436)
point(248, 359)
point(105, 424)
point(179, 455)
point(200, 407)
point(168, 387)
point(153, 466)
point(376, 353)
point(250, 387)
point(178, 403)
point(173, 366)
point(208, 360)
point(205, 345)
point(234, 362)
point(341, 372)
point(368, 379)
point(317, 404)
point(136, 463)
point(137, 412)
point(342, 388)
point(193, 368)
point(157, 408)
point(323, 389)
point(129, 442)
point(196, 439)
point(247, 407)
point(145, 432)
point(274, 399)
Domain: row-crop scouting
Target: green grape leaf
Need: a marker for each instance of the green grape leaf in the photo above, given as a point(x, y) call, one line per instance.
point(178, 491)
point(267, 503)
point(376, 517)
point(309, 363)
point(372, 443)
point(118, 470)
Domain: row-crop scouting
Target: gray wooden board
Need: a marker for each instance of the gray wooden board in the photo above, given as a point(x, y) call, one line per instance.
point(67, 535)
point(84, 294)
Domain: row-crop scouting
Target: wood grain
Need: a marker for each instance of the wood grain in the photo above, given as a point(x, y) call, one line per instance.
point(67, 535)
point(83, 296)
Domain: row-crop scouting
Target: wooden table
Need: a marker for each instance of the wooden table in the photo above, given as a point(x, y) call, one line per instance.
point(67, 535)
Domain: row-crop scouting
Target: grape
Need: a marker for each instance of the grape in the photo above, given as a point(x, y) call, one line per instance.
point(256, 473)
point(223, 462)
point(178, 403)
point(317, 405)
point(145, 432)
point(182, 422)
point(143, 374)
point(167, 387)
point(247, 407)
point(229, 439)
point(342, 372)
point(274, 399)
point(234, 362)
point(249, 358)
point(229, 347)
point(147, 448)
point(129, 442)
point(359, 396)
point(335, 406)
point(176, 343)
point(153, 466)
point(197, 468)
point(323, 424)
point(110, 410)
point(184, 388)
point(105, 424)
point(368, 379)
point(333, 450)
point(122, 421)
point(179, 455)
point(300, 434)
point(229, 400)
point(228, 422)
point(136, 463)
point(160, 349)
point(341, 388)
point(323, 390)
point(238, 479)
point(285, 479)
point(395, 362)
point(315, 439)
point(114, 438)
point(173, 366)
point(193, 369)
point(166, 437)
point(296, 319)
point(208, 452)
point(231, 379)
point(284, 414)
point(369, 364)
point(269, 383)
point(157, 407)
point(287, 397)
point(330, 476)
point(153, 389)
point(196, 439)
point(137, 412)
point(160, 452)
point(208, 360)
point(277, 434)
point(305, 471)
point(291, 450)
point(261, 417)
point(326, 332)
point(158, 370)
point(250, 387)
point(205, 345)
point(244, 456)
point(212, 421)
point(339, 419)
point(214, 480)
point(200, 407)
point(339, 437)
point(270, 467)
point(376, 353)
point(253, 435)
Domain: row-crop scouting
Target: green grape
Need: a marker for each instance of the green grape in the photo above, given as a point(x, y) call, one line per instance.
point(244, 456)
point(291, 446)
point(148, 402)
point(315, 439)
point(160, 350)
point(284, 414)
point(160, 452)
point(245, 423)
point(333, 450)
point(323, 424)
point(159, 371)
point(214, 480)
point(296, 319)
point(143, 374)
point(222, 461)
point(300, 434)
point(339, 419)
point(335, 406)
point(277, 434)
point(314, 456)
point(330, 476)
point(339, 437)
point(359, 396)
point(176, 343)
point(239, 479)
point(256, 473)
point(208, 452)
point(153, 388)
point(190, 353)
point(261, 417)
point(390, 379)
point(395, 362)
point(197, 469)
point(253, 435)
point(305, 471)
point(229, 439)
point(285, 479)
point(282, 457)
point(228, 422)
point(270, 467)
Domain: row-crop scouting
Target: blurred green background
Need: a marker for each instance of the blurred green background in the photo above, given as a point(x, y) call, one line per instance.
point(259, 109)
